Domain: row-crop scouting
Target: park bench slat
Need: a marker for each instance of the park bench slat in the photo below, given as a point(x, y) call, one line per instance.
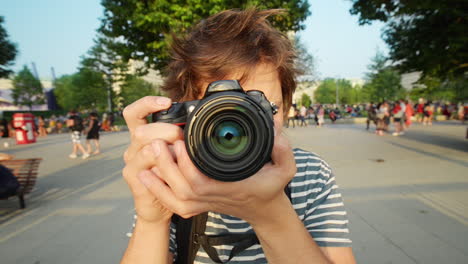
point(26, 172)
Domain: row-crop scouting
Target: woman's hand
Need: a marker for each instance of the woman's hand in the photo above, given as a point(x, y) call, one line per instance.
point(183, 189)
point(139, 157)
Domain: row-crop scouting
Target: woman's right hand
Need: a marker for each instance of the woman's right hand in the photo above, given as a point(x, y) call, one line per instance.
point(139, 157)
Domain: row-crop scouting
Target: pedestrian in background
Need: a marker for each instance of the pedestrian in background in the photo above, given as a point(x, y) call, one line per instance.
point(291, 117)
point(409, 112)
point(320, 115)
point(41, 124)
point(92, 133)
point(371, 115)
point(75, 124)
point(302, 115)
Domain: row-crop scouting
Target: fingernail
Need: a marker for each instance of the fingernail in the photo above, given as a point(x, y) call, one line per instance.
point(163, 101)
point(156, 149)
point(146, 179)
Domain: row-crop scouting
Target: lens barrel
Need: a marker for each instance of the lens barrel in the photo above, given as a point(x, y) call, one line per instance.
point(229, 136)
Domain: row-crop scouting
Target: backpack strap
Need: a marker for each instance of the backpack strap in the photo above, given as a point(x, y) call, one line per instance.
point(190, 234)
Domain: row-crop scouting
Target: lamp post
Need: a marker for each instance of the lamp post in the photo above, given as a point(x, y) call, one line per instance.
point(337, 100)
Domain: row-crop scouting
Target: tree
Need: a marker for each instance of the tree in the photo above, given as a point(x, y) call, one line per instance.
point(102, 58)
point(305, 100)
point(433, 88)
point(305, 60)
point(326, 92)
point(27, 90)
point(423, 35)
point(135, 88)
point(146, 26)
point(7, 52)
point(383, 81)
point(85, 89)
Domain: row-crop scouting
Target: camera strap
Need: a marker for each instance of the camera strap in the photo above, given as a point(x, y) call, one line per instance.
point(190, 235)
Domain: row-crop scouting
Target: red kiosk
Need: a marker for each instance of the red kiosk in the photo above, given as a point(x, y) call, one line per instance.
point(24, 128)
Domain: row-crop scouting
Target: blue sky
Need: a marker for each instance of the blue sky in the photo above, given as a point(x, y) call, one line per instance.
point(55, 33)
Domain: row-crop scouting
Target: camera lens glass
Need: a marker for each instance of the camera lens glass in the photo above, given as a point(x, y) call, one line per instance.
point(229, 138)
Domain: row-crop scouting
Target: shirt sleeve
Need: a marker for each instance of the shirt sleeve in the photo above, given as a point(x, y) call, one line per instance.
point(172, 240)
point(172, 237)
point(318, 202)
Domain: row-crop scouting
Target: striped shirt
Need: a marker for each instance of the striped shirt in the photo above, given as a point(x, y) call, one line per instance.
point(314, 196)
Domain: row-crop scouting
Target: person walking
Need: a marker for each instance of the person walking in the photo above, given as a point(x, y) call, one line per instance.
point(75, 124)
point(92, 134)
point(320, 116)
point(382, 115)
point(41, 124)
point(371, 115)
point(398, 112)
point(428, 113)
point(409, 112)
point(420, 110)
point(302, 115)
point(291, 117)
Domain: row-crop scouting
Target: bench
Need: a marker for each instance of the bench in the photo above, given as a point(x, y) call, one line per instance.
point(26, 171)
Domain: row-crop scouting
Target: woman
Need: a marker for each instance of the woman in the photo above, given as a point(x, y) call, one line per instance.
point(382, 114)
point(93, 133)
point(42, 129)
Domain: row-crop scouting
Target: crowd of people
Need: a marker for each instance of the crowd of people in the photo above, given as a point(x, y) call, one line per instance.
point(402, 112)
point(78, 125)
point(302, 115)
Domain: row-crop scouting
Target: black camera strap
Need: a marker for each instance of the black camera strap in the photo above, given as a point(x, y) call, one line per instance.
point(190, 235)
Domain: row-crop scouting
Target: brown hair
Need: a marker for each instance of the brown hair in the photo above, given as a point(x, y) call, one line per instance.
point(232, 39)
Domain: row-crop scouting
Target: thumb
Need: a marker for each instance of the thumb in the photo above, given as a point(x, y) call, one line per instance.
point(282, 154)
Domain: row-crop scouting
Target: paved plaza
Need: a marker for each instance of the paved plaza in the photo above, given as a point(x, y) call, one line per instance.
point(407, 197)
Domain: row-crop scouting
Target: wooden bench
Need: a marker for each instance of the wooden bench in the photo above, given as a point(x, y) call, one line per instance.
point(26, 171)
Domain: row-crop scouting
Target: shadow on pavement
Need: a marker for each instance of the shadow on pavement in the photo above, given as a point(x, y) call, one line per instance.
point(434, 155)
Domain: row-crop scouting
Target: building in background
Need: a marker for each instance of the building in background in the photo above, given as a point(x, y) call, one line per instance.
point(6, 101)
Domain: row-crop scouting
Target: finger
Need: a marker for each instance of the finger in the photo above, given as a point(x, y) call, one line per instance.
point(135, 114)
point(168, 199)
point(282, 156)
point(145, 134)
point(144, 160)
point(168, 171)
point(200, 183)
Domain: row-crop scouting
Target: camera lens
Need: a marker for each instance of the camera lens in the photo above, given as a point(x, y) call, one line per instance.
point(229, 136)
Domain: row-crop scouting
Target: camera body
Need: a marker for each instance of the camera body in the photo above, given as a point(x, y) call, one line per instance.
point(229, 133)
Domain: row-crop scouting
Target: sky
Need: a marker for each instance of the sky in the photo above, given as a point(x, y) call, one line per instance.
point(56, 33)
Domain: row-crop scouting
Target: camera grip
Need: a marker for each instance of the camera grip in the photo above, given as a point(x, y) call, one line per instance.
point(176, 114)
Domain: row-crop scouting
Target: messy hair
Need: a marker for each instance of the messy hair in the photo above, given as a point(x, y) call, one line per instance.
point(232, 39)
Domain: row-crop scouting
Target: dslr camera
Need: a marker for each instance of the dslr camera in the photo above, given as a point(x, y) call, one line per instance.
point(229, 133)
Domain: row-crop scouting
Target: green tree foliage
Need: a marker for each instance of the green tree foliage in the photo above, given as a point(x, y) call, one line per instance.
point(305, 100)
point(135, 88)
point(7, 52)
point(145, 26)
point(27, 90)
point(383, 82)
point(102, 58)
point(433, 88)
point(423, 35)
point(326, 92)
point(86, 89)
